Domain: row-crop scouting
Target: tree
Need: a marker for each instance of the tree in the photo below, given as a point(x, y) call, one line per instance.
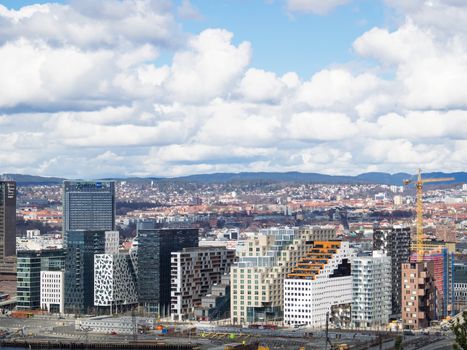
point(398, 343)
point(460, 331)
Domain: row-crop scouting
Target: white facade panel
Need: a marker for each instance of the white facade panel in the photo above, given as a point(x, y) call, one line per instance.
point(52, 291)
point(114, 280)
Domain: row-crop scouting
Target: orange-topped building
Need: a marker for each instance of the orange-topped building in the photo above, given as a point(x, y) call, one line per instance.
point(319, 284)
point(315, 260)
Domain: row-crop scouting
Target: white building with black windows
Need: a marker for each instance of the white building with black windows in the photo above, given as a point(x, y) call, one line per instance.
point(320, 283)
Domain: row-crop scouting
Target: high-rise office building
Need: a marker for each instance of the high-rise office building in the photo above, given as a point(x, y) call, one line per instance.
point(30, 264)
point(88, 205)
point(7, 228)
point(154, 249)
point(320, 284)
point(81, 247)
point(395, 242)
point(371, 300)
point(257, 279)
point(114, 282)
point(194, 271)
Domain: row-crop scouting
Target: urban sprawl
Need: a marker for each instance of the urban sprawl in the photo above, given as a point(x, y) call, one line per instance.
point(145, 258)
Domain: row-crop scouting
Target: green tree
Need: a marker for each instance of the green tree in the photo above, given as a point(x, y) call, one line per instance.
point(398, 343)
point(460, 331)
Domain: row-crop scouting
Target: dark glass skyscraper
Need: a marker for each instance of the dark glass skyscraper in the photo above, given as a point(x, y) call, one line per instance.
point(155, 247)
point(88, 205)
point(81, 246)
point(7, 226)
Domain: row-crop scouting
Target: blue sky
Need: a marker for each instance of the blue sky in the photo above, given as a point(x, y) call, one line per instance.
point(282, 41)
point(138, 88)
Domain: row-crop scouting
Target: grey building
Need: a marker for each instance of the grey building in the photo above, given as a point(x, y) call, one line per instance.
point(29, 266)
point(81, 246)
point(395, 242)
point(155, 247)
point(460, 286)
point(88, 205)
point(7, 227)
point(194, 272)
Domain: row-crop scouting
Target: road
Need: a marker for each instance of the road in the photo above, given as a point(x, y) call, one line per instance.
point(207, 336)
point(445, 344)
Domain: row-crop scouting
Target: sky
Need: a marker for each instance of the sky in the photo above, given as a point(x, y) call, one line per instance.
point(112, 88)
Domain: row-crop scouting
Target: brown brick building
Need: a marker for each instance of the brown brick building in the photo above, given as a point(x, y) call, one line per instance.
point(418, 294)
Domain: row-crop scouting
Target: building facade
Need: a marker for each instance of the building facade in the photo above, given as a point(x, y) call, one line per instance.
point(460, 286)
point(114, 281)
point(443, 278)
point(52, 296)
point(88, 205)
point(320, 285)
point(194, 272)
point(7, 229)
point(371, 299)
point(216, 304)
point(395, 242)
point(418, 294)
point(257, 279)
point(154, 249)
point(29, 267)
point(81, 247)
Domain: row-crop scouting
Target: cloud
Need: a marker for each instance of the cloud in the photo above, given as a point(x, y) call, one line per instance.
point(320, 126)
point(318, 7)
point(93, 24)
point(95, 89)
point(337, 88)
point(208, 67)
point(188, 11)
point(260, 86)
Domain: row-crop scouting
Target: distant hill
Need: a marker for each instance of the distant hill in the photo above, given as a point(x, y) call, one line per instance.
point(298, 177)
point(370, 178)
point(33, 180)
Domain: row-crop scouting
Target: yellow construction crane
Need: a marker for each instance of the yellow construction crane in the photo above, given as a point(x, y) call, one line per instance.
point(419, 247)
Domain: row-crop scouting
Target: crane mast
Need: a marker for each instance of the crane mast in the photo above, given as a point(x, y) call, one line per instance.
point(419, 245)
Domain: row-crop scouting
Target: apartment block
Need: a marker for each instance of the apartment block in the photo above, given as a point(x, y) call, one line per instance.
point(460, 286)
point(418, 294)
point(194, 272)
point(257, 279)
point(216, 304)
point(395, 242)
point(319, 285)
point(443, 277)
point(371, 294)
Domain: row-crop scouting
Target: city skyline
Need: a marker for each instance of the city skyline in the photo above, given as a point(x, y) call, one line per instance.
point(155, 88)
